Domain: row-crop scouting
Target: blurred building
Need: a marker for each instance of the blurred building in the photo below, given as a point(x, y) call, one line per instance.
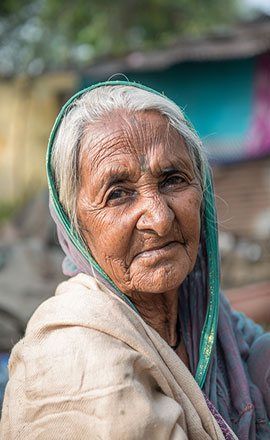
point(28, 107)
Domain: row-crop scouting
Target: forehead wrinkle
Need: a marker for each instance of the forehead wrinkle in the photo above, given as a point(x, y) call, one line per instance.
point(173, 154)
point(116, 171)
point(145, 138)
point(103, 147)
point(136, 129)
point(163, 140)
point(155, 139)
point(146, 131)
point(159, 144)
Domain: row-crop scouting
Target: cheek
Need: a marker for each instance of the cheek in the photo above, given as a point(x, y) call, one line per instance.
point(108, 234)
point(187, 211)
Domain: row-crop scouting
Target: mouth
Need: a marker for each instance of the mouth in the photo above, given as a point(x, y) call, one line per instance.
point(159, 250)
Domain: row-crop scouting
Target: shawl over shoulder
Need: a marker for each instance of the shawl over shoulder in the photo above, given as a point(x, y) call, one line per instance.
point(90, 367)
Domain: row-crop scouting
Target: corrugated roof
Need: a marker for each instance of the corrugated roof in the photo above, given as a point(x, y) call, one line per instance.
point(246, 39)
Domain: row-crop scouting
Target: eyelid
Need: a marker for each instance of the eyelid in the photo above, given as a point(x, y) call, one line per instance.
point(175, 174)
point(118, 188)
point(112, 190)
point(183, 179)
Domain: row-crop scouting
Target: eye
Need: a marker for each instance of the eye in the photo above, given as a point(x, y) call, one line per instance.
point(118, 195)
point(173, 180)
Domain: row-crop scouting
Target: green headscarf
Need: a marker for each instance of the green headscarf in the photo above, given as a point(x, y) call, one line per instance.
point(208, 335)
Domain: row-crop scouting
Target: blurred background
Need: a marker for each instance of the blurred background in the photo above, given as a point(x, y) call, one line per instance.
point(212, 57)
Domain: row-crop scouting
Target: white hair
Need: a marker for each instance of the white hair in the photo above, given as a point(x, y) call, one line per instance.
point(92, 107)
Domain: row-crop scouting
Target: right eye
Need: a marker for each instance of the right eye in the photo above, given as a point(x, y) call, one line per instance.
point(117, 194)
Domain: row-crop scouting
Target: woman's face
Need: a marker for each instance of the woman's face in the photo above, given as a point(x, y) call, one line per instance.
point(139, 202)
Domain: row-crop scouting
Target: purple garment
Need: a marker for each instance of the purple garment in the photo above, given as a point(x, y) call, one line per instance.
point(258, 137)
point(232, 384)
point(237, 396)
point(224, 428)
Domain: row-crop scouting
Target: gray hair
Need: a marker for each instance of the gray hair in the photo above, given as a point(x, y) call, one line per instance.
point(93, 106)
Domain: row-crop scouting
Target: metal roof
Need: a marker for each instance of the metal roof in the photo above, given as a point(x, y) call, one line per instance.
point(243, 40)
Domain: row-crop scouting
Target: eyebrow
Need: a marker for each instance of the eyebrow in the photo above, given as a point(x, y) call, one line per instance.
point(112, 177)
point(118, 178)
point(167, 171)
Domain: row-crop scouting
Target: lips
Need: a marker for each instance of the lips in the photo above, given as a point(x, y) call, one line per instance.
point(158, 249)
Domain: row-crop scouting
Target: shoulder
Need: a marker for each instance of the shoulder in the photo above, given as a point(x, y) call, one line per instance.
point(76, 301)
point(84, 314)
point(70, 360)
point(80, 339)
point(72, 377)
point(70, 333)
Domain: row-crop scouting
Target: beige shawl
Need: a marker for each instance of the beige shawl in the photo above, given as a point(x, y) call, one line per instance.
point(90, 368)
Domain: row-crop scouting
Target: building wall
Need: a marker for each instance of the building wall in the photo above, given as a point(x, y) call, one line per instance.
point(27, 111)
point(216, 96)
point(243, 198)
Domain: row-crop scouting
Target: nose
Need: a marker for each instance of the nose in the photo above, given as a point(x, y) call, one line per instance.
point(156, 216)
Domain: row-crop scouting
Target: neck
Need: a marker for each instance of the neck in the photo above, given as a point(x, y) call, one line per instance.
point(160, 310)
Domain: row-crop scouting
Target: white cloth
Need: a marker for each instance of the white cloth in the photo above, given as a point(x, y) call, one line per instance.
point(90, 368)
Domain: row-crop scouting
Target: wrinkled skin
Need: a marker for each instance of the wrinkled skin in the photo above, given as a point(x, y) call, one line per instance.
point(139, 210)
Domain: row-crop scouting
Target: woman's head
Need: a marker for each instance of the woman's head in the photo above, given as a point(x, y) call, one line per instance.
point(68, 162)
point(130, 175)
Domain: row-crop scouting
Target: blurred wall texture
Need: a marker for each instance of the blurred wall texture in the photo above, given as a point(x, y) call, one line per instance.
point(28, 108)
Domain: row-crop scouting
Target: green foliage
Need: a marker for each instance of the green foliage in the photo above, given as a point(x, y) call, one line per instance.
point(8, 7)
point(72, 32)
point(7, 211)
point(122, 25)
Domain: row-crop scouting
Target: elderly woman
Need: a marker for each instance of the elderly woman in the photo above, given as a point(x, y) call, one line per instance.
point(138, 343)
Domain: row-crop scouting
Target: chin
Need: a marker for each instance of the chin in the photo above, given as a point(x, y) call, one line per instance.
point(159, 280)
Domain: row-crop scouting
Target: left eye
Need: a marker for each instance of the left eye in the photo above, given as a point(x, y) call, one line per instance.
point(117, 194)
point(173, 180)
